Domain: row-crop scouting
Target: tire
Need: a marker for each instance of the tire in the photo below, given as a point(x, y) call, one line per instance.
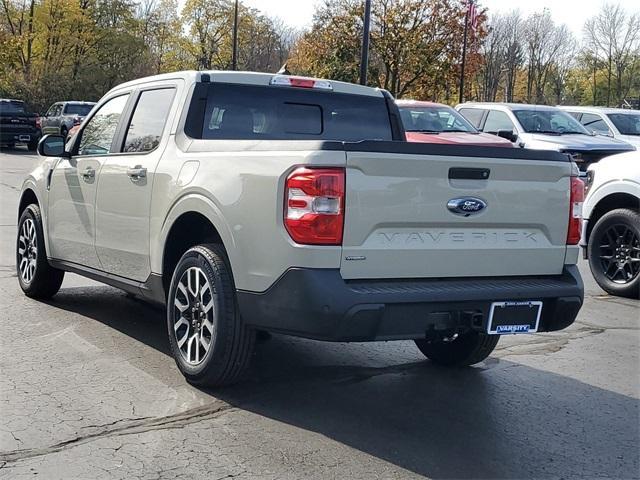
point(32, 146)
point(616, 235)
point(64, 132)
point(37, 278)
point(230, 342)
point(467, 349)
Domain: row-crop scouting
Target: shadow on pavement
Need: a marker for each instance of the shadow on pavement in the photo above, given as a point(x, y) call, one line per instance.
point(499, 420)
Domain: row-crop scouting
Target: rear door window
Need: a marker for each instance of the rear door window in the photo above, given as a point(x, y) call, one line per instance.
point(148, 120)
point(595, 123)
point(473, 115)
point(284, 113)
point(496, 121)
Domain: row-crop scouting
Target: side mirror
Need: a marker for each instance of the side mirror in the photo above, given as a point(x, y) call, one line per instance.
point(508, 134)
point(52, 146)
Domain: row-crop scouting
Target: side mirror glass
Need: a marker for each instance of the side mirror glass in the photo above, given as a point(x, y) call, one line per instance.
point(508, 134)
point(52, 146)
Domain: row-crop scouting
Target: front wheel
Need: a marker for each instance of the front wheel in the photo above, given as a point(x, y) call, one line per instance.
point(466, 349)
point(209, 341)
point(614, 252)
point(37, 278)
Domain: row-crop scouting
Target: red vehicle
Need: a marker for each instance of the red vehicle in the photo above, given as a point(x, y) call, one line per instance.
point(428, 122)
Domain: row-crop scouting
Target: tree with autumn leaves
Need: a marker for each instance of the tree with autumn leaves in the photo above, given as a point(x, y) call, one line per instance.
point(415, 45)
point(52, 50)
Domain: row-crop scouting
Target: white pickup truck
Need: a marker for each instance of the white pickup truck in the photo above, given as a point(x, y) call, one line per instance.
point(248, 201)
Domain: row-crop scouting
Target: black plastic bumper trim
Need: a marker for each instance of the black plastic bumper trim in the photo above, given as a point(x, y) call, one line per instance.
point(318, 303)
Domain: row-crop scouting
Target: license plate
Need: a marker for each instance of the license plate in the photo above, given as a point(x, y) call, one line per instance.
point(509, 318)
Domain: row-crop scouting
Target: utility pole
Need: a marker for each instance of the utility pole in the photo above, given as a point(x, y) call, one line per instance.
point(364, 60)
point(464, 52)
point(234, 55)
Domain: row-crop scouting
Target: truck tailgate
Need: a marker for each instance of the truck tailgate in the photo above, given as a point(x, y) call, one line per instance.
point(398, 225)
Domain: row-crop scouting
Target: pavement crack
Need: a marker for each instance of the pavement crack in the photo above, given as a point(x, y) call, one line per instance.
point(123, 427)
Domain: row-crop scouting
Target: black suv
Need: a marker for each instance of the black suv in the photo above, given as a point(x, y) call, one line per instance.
point(17, 124)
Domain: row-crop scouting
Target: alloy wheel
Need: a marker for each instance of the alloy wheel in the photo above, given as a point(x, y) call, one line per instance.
point(27, 251)
point(620, 254)
point(194, 316)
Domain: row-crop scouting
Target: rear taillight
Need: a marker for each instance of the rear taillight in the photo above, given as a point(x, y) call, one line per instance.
point(314, 205)
point(38, 122)
point(575, 211)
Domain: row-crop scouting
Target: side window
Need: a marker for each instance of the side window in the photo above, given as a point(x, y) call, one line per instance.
point(575, 115)
point(97, 135)
point(496, 121)
point(595, 123)
point(51, 111)
point(474, 115)
point(148, 120)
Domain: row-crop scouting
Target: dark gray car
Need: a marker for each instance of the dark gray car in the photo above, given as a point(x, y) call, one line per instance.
point(63, 116)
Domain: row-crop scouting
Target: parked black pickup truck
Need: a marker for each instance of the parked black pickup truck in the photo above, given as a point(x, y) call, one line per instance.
point(17, 124)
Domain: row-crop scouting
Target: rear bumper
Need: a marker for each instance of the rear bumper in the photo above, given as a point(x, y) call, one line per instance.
point(318, 303)
point(18, 137)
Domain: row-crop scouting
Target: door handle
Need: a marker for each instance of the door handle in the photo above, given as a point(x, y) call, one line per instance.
point(137, 173)
point(88, 174)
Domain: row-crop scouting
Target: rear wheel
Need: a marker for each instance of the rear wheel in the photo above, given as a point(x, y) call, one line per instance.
point(32, 145)
point(209, 341)
point(614, 252)
point(466, 349)
point(64, 132)
point(37, 278)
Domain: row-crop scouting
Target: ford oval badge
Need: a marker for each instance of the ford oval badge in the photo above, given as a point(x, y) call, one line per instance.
point(466, 206)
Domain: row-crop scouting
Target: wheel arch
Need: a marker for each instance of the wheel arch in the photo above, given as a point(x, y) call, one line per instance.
point(27, 197)
point(193, 220)
point(611, 201)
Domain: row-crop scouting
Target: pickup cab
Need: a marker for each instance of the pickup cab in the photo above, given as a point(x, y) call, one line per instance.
point(249, 201)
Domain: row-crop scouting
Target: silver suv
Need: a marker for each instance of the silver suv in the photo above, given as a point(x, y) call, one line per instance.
point(543, 128)
point(61, 117)
point(247, 202)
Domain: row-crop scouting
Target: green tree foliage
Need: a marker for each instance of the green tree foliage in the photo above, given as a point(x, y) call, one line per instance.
point(53, 50)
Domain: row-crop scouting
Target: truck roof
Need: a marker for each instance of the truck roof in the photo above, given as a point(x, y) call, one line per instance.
point(509, 106)
point(248, 78)
point(599, 109)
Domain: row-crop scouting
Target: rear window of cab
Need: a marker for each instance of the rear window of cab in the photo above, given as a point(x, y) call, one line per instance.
point(248, 112)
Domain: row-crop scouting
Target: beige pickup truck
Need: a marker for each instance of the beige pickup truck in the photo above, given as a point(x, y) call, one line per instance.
point(248, 202)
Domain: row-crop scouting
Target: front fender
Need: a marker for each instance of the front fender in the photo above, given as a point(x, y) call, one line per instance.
point(607, 188)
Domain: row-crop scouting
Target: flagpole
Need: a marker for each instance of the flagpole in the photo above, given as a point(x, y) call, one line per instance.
point(234, 51)
point(364, 59)
point(464, 51)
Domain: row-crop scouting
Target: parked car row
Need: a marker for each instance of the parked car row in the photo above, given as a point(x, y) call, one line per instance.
point(18, 125)
point(542, 127)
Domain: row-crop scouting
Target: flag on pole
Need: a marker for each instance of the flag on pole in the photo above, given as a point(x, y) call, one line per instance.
point(473, 16)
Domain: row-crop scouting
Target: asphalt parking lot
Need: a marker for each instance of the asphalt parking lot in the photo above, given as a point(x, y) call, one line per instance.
point(88, 390)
